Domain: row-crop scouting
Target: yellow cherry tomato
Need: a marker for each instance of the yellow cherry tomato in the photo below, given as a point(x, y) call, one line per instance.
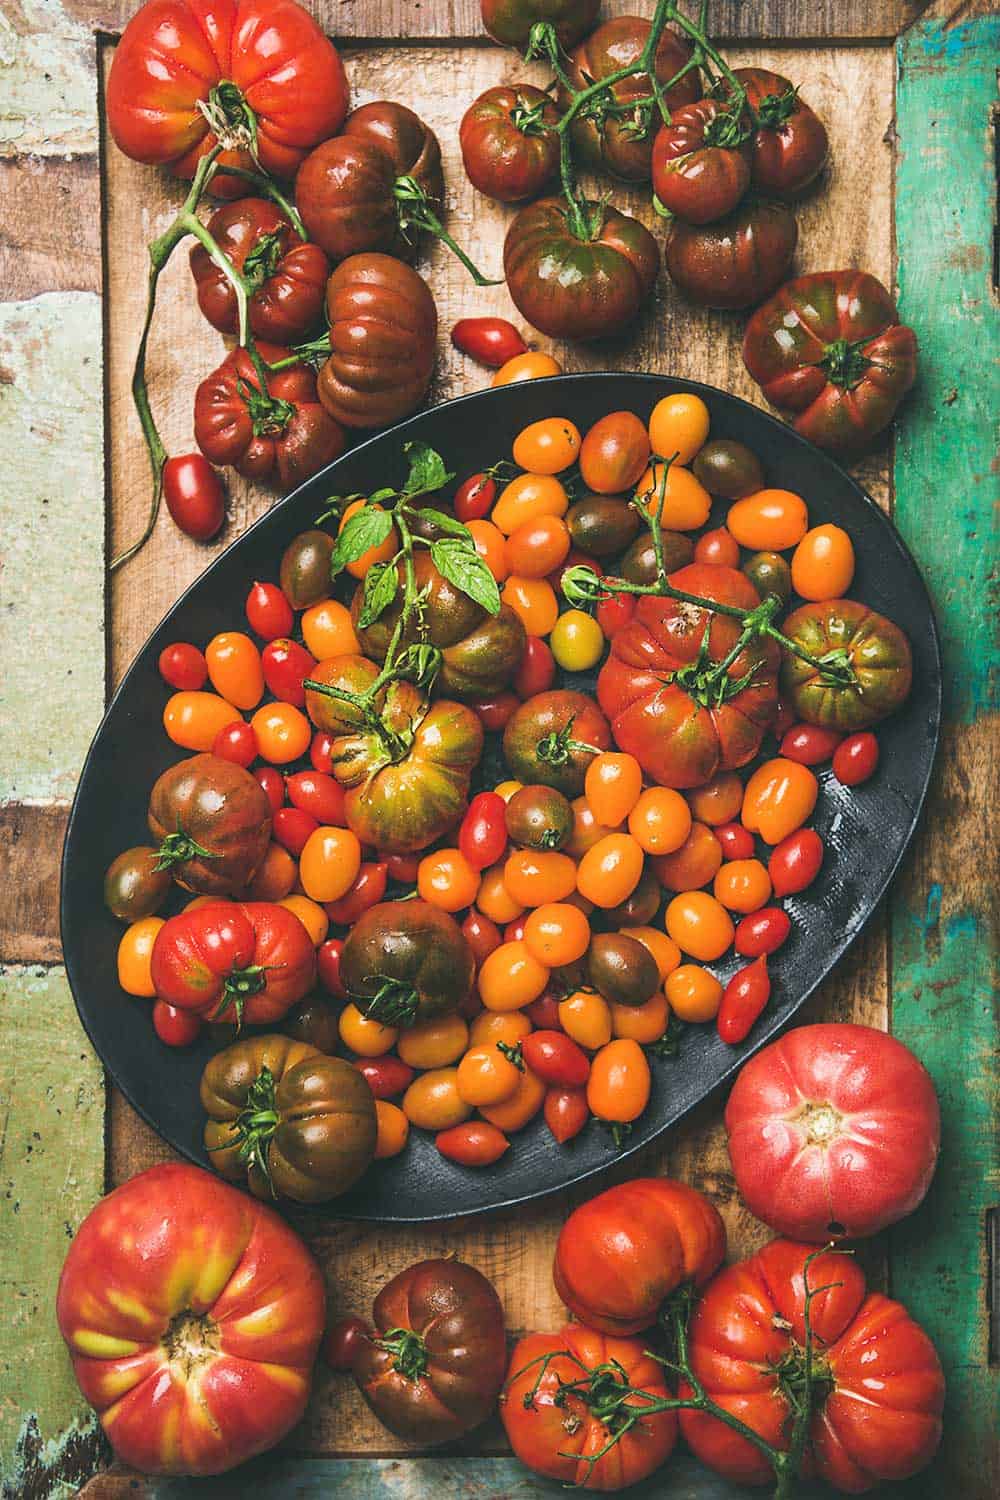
point(492, 1026)
point(135, 951)
point(612, 786)
point(693, 993)
point(742, 885)
point(534, 602)
point(523, 1105)
point(432, 1102)
point(779, 797)
point(718, 801)
point(283, 733)
point(329, 631)
point(312, 916)
point(641, 1023)
point(510, 978)
point(577, 641)
point(506, 789)
point(586, 1017)
point(660, 821)
point(769, 521)
point(610, 871)
point(329, 863)
point(366, 1037)
point(193, 719)
point(434, 1044)
point(487, 1076)
point(531, 366)
point(665, 952)
point(234, 669)
point(446, 879)
point(822, 564)
point(556, 934)
point(526, 498)
point(382, 553)
point(678, 424)
point(699, 925)
point(491, 546)
point(686, 502)
point(493, 898)
point(547, 446)
point(393, 1129)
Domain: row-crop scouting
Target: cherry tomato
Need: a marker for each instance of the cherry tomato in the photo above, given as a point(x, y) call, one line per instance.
point(193, 720)
point(481, 934)
point(482, 837)
point(614, 453)
point(183, 666)
point(693, 864)
point(823, 564)
point(660, 821)
point(619, 1082)
point(586, 831)
point(685, 501)
point(678, 424)
point(530, 366)
point(525, 1102)
point(613, 613)
point(487, 1075)
point(855, 758)
point(494, 900)
point(547, 446)
point(474, 1144)
point(268, 612)
point(577, 641)
point(534, 602)
point(319, 794)
point(779, 797)
point(283, 733)
point(387, 1077)
point(382, 553)
point(447, 879)
point(286, 665)
point(556, 1059)
point(526, 498)
point(556, 934)
point(511, 978)
point(236, 742)
point(364, 1036)
point(492, 1026)
point(641, 1023)
point(393, 1130)
point(328, 630)
point(810, 744)
point(432, 1102)
point(340, 1346)
point(770, 520)
point(367, 891)
point(495, 713)
point(665, 952)
point(693, 993)
point(566, 1112)
point(742, 885)
point(274, 785)
point(719, 800)
point(434, 1043)
point(312, 916)
point(543, 1013)
point(745, 996)
point(736, 842)
point(320, 751)
point(175, 1027)
point(586, 1017)
point(474, 497)
point(762, 932)
point(194, 495)
point(719, 547)
point(537, 547)
point(276, 877)
point(328, 956)
point(403, 868)
point(329, 863)
point(292, 827)
point(234, 669)
point(491, 546)
point(536, 877)
point(610, 871)
point(612, 786)
point(699, 925)
point(491, 341)
point(537, 671)
point(135, 950)
point(514, 931)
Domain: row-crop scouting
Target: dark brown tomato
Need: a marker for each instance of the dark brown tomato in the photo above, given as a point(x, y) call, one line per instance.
point(509, 22)
point(701, 162)
point(509, 145)
point(602, 526)
point(212, 822)
point(728, 469)
point(134, 886)
point(737, 261)
point(286, 274)
point(770, 574)
point(621, 969)
point(406, 961)
point(553, 737)
point(539, 817)
point(406, 140)
point(443, 1354)
point(789, 148)
point(639, 563)
point(640, 907)
point(305, 569)
point(315, 1022)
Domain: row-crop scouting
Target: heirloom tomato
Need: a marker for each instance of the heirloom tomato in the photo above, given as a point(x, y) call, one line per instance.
point(553, 737)
point(789, 141)
point(287, 275)
point(845, 632)
point(509, 22)
point(192, 1315)
point(212, 822)
point(701, 162)
point(234, 961)
point(509, 145)
point(406, 961)
point(727, 468)
point(136, 884)
point(492, 341)
point(383, 326)
point(194, 496)
point(305, 568)
point(736, 261)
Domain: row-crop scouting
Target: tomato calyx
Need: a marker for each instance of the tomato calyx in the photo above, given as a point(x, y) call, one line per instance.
point(263, 260)
point(269, 415)
point(178, 848)
point(408, 1350)
point(239, 986)
point(230, 118)
point(555, 749)
point(394, 1003)
point(775, 109)
point(191, 1340)
point(728, 129)
point(529, 119)
point(843, 362)
point(255, 1125)
point(512, 1054)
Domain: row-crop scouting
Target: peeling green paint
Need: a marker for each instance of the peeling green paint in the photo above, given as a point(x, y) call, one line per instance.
point(56, 1468)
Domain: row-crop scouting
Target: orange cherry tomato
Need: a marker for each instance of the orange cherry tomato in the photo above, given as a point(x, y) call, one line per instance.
point(718, 801)
point(393, 1129)
point(612, 786)
point(665, 952)
point(556, 934)
point(486, 1075)
point(435, 1043)
point(364, 1036)
point(526, 498)
point(534, 601)
point(432, 1102)
point(234, 669)
point(742, 885)
point(507, 789)
point(547, 446)
point(329, 631)
point(769, 520)
point(494, 900)
point(135, 950)
point(522, 1106)
point(614, 453)
point(619, 1082)
point(699, 925)
point(283, 733)
point(530, 366)
point(610, 871)
point(693, 993)
point(823, 564)
point(446, 879)
point(312, 916)
point(381, 553)
point(660, 821)
point(193, 719)
point(641, 1023)
point(693, 864)
point(678, 424)
point(779, 797)
point(586, 1017)
point(511, 978)
point(537, 547)
point(492, 1026)
point(491, 546)
point(535, 877)
point(587, 831)
point(276, 877)
point(329, 863)
point(686, 502)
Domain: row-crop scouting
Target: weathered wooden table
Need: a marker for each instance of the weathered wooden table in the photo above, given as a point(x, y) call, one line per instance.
point(907, 92)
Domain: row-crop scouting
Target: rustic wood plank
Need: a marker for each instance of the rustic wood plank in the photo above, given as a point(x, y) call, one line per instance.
point(45, 246)
point(30, 846)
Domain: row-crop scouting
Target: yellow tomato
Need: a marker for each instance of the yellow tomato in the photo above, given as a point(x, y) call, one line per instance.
point(193, 719)
point(693, 993)
point(328, 630)
point(526, 498)
point(547, 446)
point(393, 1129)
point(135, 951)
point(364, 1036)
point(432, 1102)
point(312, 916)
point(699, 925)
point(641, 1023)
point(769, 521)
point(686, 502)
point(434, 1044)
point(531, 366)
point(678, 424)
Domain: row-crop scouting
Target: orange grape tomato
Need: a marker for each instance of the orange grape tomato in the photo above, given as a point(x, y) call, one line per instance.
point(193, 719)
point(492, 1026)
point(612, 786)
point(493, 898)
point(432, 1102)
point(718, 801)
point(393, 1129)
point(526, 498)
point(693, 993)
point(486, 1075)
point(491, 546)
point(234, 669)
point(276, 876)
point(329, 631)
point(665, 952)
point(547, 446)
point(446, 879)
point(534, 602)
point(686, 502)
point(699, 925)
point(135, 951)
point(586, 1017)
point(556, 934)
point(537, 547)
point(366, 1037)
point(779, 797)
point(435, 1043)
point(610, 871)
point(535, 877)
point(619, 1082)
point(660, 821)
point(523, 1105)
point(329, 863)
point(381, 553)
point(530, 366)
point(283, 733)
point(693, 864)
point(614, 453)
point(507, 789)
point(312, 916)
point(511, 978)
point(678, 424)
point(641, 1023)
point(587, 831)
point(769, 520)
point(822, 564)
point(743, 885)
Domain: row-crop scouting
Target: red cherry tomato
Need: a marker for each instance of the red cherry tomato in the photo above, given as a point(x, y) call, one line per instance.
point(566, 1112)
point(367, 890)
point(291, 827)
point(175, 1027)
point(537, 671)
point(514, 931)
point(403, 868)
point(744, 998)
point(286, 665)
point(236, 742)
point(328, 967)
point(855, 758)
point(183, 667)
point(476, 1143)
point(268, 612)
point(475, 496)
point(762, 931)
point(495, 713)
point(492, 341)
point(719, 547)
point(810, 744)
point(387, 1076)
point(543, 1013)
point(795, 862)
point(613, 612)
point(342, 1342)
point(482, 838)
point(194, 495)
point(320, 751)
point(737, 841)
point(482, 935)
point(274, 785)
point(556, 1059)
point(319, 794)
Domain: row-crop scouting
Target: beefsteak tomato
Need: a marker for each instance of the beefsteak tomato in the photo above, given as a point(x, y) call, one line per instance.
point(701, 162)
point(287, 274)
point(509, 145)
point(846, 632)
point(789, 146)
point(552, 738)
point(737, 261)
point(406, 961)
point(212, 822)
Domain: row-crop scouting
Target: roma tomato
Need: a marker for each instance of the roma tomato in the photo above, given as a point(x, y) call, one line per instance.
point(491, 341)
point(619, 1082)
point(693, 864)
point(701, 162)
point(393, 1130)
point(694, 994)
point(795, 862)
point(234, 669)
point(194, 495)
point(610, 871)
point(387, 1077)
point(770, 519)
point(718, 546)
point(612, 786)
point(135, 886)
point(327, 629)
point(736, 842)
point(660, 820)
point(699, 925)
point(287, 274)
point(482, 837)
point(762, 932)
point(272, 783)
point(134, 1313)
point(586, 1017)
point(477, 1143)
point(511, 978)
point(744, 998)
point(367, 890)
point(305, 569)
point(566, 1112)
point(193, 720)
point(856, 758)
point(789, 144)
point(737, 261)
point(317, 794)
point(726, 468)
point(481, 934)
point(537, 547)
point(268, 612)
point(876, 651)
point(556, 1059)
point(212, 821)
point(474, 497)
point(742, 885)
point(293, 828)
point(447, 879)
point(621, 969)
point(547, 446)
point(779, 797)
point(283, 733)
point(509, 147)
point(487, 1074)
point(183, 667)
point(556, 933)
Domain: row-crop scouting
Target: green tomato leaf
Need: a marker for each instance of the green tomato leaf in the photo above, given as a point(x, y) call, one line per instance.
point(381, 585)
point(427, 470)
point(367, 528)
point(446, 523)
point(461, 565)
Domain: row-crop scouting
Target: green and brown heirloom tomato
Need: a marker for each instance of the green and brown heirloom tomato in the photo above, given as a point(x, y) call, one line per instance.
point(728, 469)
point(286, 1119)
point(553, 737)
point(212, 822)
point(406, 961)
point(539, 817)
point(622, 969)
point(830, 348)
point(701, 162)
point(136, 884)
point(737, 261)
point(305, 568)
point(509, 22)
point(620, 139)
point(480, 651)
point(510, 148)
point(640, 905)
point(770, 574)
point(578, 288)
point(352, 674)
point(602, 526)
point(437, 1365)
point(639, 565)
point(845, 631)
point(287, 274)
point(789, 146)
point(314, 1021)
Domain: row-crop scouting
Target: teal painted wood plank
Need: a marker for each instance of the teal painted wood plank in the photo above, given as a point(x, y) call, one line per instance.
point(943, 911)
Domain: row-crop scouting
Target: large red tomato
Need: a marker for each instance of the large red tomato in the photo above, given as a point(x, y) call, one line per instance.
point(620, 1255)
point(668, 706)
point(262, 68)
point(192, 1315)
point(833, 1131)
point(249, 961)
point(880, 1388)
